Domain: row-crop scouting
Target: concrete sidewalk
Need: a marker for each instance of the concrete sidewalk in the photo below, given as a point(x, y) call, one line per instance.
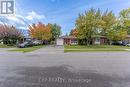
point(6, 49)
point(49, 50)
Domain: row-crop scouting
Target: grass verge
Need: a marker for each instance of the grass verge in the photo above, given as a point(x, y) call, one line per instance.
point(28, 49)
point(5, 46)
point(96, 48)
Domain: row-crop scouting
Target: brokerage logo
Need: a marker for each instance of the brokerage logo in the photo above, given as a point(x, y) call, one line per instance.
point(6, 7)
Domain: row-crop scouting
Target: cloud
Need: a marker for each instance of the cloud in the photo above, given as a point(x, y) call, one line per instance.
point(21, 22)
point(23, 27)
point(15, 19)
point(33, 15)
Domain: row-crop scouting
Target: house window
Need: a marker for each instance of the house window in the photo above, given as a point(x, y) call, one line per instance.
point(97, 40)
point(73, 41)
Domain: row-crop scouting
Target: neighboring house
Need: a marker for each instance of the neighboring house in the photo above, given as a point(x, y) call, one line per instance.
point(67, 40)
point(99, 40)
point(71, 40)
point(127, 39)
point(25, 38)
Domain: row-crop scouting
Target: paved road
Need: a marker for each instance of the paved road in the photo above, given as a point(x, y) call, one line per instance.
point(51, 67)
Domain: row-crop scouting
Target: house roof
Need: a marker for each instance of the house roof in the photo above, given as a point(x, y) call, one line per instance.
point(72, 37)
point(68, 37)
point(100, 36)
point(128, 36)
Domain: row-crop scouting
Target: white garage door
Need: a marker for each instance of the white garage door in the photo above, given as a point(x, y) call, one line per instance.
point(59, 42)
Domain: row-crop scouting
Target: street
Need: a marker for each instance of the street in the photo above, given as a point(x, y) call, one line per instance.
point(51, 67)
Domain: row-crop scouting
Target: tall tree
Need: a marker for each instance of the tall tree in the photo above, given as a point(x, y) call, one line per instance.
point(125, 19)
point(40, 31)
point(55, 30)
point(9, 34)
point(108, 19)
point(88, 25)
point(116, 33)
point(74, 32)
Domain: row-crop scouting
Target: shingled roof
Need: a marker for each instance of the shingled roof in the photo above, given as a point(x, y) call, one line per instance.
point(68, 37)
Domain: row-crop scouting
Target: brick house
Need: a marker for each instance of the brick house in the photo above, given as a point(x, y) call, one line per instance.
point(67, 40)
point(127, 39)
point(71, 40)
point(99, 40)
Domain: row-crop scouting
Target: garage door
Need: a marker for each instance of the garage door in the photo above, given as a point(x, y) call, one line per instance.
point(59, 42)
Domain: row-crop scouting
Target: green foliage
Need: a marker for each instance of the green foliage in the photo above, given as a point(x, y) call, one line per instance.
point(108, 19)
point(125, 19)
point(116, 33)
point(55, 30)
point(95, 48)
point(94, 22)
point(88, 25)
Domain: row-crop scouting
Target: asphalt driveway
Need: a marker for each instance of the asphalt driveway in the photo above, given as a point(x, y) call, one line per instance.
point(51, 67)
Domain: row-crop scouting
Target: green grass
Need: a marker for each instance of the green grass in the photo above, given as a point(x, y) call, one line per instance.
point(5, 46)
point(28, 49)
point(95, 48)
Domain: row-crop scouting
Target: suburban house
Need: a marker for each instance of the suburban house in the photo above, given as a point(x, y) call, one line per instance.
point(99, 40)
point(71, 40)
point(67, 40)
point(127, 39)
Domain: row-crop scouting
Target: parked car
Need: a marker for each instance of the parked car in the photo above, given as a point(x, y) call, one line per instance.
point(117, 43)
point(25, 44)
point(37, 42)
point(124, 43)
point(128, 44)
point(45, 42)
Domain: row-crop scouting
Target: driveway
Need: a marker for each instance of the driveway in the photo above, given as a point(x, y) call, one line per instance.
point(51, 67)
point(49, 50)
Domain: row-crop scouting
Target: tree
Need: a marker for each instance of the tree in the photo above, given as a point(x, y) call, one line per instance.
point(40, 31)
point(125, 19)
point(74, 32)
point(55, 30)
point(88, 25)
point(108, 19)
point(9, 34)
point(116, 33)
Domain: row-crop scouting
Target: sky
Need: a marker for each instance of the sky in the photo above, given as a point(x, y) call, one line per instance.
point(62, 12)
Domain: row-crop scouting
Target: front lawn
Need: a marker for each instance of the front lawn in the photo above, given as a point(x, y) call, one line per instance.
point(5, 46)
point(96, 48)
point(27, 49)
